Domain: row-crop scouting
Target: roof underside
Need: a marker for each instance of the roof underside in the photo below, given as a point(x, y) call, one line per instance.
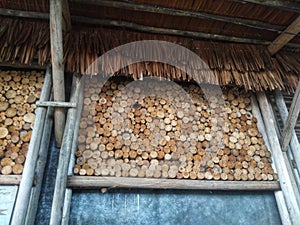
point(231, 37)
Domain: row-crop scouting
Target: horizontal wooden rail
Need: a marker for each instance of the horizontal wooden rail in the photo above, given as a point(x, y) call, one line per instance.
point(85, 182)
point(10, 179)
point(57, 104)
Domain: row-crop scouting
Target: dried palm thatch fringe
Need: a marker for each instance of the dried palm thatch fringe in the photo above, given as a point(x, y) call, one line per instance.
point(248, 66)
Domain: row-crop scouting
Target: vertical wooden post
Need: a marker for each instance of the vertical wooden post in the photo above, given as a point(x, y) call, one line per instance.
point(284, 176)
point(25, 187)
point(64, 158)
point(281, 205)
point(291, 120)
point(283, 112)
point(68, 195)
point(56, 40)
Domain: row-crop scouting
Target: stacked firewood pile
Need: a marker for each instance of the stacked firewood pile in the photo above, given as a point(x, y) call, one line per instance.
point(19, 91)
point(159, 129)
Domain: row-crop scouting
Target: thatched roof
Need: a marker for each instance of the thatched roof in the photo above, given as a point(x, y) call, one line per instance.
point(247, 64)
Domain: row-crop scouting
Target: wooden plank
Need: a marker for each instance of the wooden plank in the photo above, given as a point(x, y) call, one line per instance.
point(64, 158)
point(26, 183)
point(283, 174)
point(289, 33)
point(177, 12)
point(56, 42)
point(89, 182)
point(291, 120)
point(40, 168)
point(8, 196)
point(281, 205)
point(56, 104)
point(292, 6)
point(283, 112)
point(10, 179)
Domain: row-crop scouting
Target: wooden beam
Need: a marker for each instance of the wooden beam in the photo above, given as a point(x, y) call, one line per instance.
point(177, 12)
point(283, 112)
point(23, 66)
point(56, 41)
point(10, 179)
point(40, 168)
point(292, 6)
point(89, 182)
point(166, 31)
point(291, 120)
point(56, 104)
point(149, 29)
point(64, 158)
point(68, 195)
point(290, 32)
point(28, 175)
point(290, 194)
point(279, 196)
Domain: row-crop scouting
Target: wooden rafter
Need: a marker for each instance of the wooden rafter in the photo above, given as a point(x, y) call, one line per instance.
point(177, 12)
point(290, 32)
point(292, 6)
point(141, 28)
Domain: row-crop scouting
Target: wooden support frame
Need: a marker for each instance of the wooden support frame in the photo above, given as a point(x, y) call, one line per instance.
point(86, 182)
point(40, 168)
point(283, 112)
point(284, 177)
point(56, 104)
point(291, 120)
point(28, 176)
point(68, 195)
point(64, 158)
point(289, 33)
point(142, 28)
point(281, 205)
point(177, 12)
point(10, 179)
point(292, 6)
point(56, 41)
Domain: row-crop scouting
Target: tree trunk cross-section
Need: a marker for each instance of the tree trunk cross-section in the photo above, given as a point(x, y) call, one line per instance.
point(19, 91)
point(159, 129)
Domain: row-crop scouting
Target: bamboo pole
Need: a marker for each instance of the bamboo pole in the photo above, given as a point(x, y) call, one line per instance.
point(24, 192)
point(64, 157)
point(284, 177)
point(281, 205)
point(68, 195)
point(40, 168)
point(56, 41)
